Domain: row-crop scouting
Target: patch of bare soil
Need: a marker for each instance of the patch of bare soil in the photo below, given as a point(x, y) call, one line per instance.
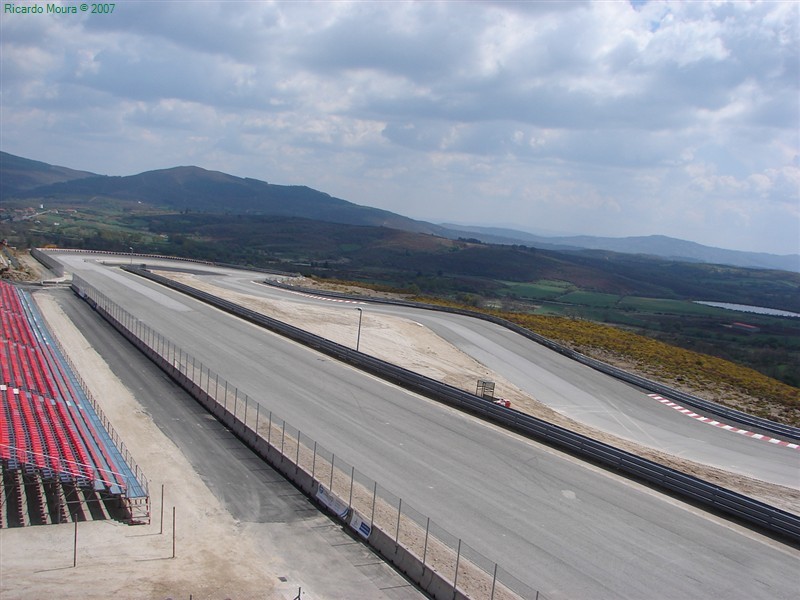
point(314, 284)
point(414, 347)
point(27, 268)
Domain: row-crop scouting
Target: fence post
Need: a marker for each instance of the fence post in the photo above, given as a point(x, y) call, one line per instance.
point(297, 456)
point(283, 436)
point(314, 463)
point(425, 548)
point(455, 579)
point(352, 479)
point(75, 544)
point(374, 497)
point(162, 509)
point(269, 431)
point(333, 460)
point(397, 532)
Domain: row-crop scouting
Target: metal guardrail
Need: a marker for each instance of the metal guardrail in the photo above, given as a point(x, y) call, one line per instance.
point(725, 501)
point(659, 388)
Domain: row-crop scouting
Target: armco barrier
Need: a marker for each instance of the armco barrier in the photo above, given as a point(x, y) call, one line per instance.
point(445, 570)
point(725, 501)
point(642, 382)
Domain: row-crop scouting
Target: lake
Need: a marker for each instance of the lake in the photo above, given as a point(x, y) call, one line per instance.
point(752, 309)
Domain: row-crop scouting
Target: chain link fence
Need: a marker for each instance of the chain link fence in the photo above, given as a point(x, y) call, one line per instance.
point(467, 573)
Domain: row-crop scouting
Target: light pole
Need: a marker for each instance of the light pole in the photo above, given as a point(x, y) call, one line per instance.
point(358, 339)
point(131, 249)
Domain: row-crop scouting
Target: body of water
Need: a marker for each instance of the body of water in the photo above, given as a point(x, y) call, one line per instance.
point(752, 309)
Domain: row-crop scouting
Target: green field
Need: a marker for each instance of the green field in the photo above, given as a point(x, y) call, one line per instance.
point(774, 349)
point(592, 299)
point(540, 290)
point(672, 307)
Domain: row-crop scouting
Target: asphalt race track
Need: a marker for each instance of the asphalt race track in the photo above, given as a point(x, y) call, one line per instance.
point(582, 393)
point(565, 528)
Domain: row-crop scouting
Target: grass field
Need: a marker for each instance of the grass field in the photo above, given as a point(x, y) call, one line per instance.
point(772, 349)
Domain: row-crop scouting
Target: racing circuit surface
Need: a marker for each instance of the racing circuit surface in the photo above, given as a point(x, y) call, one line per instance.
point(564, 527)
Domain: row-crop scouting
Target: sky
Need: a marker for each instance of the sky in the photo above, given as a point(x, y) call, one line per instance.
point(597, 118)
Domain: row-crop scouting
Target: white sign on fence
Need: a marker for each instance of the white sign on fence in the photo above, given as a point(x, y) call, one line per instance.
point(331, 502)
point(358, 523)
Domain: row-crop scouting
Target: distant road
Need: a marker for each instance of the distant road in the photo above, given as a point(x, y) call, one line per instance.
point(563, 527)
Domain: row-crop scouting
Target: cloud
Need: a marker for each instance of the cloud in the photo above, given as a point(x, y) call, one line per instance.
point(603, 118)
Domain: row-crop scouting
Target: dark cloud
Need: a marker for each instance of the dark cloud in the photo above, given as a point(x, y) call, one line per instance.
point(638, 113)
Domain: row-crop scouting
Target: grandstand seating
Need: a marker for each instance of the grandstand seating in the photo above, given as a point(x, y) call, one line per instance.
point(46, 426)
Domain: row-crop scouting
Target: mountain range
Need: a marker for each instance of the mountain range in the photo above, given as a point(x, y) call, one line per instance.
point(652, 245)
point(193, 189)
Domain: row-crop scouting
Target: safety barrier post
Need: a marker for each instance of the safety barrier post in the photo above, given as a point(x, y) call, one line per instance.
point(397, 532)
point(455, 579)
point(374, 498)
point(425, 547)
point(352, 479)
point(314, 463)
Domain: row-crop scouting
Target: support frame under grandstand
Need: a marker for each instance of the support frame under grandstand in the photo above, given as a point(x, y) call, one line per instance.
point(60, 458)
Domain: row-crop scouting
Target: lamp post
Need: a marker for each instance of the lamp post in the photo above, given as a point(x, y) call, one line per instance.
point(131, 249)
point(358, 339)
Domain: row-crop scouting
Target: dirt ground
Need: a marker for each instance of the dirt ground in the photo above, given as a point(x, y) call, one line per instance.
point(410, 345)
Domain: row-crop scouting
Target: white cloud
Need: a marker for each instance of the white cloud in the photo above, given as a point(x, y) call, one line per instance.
point(599, 118)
